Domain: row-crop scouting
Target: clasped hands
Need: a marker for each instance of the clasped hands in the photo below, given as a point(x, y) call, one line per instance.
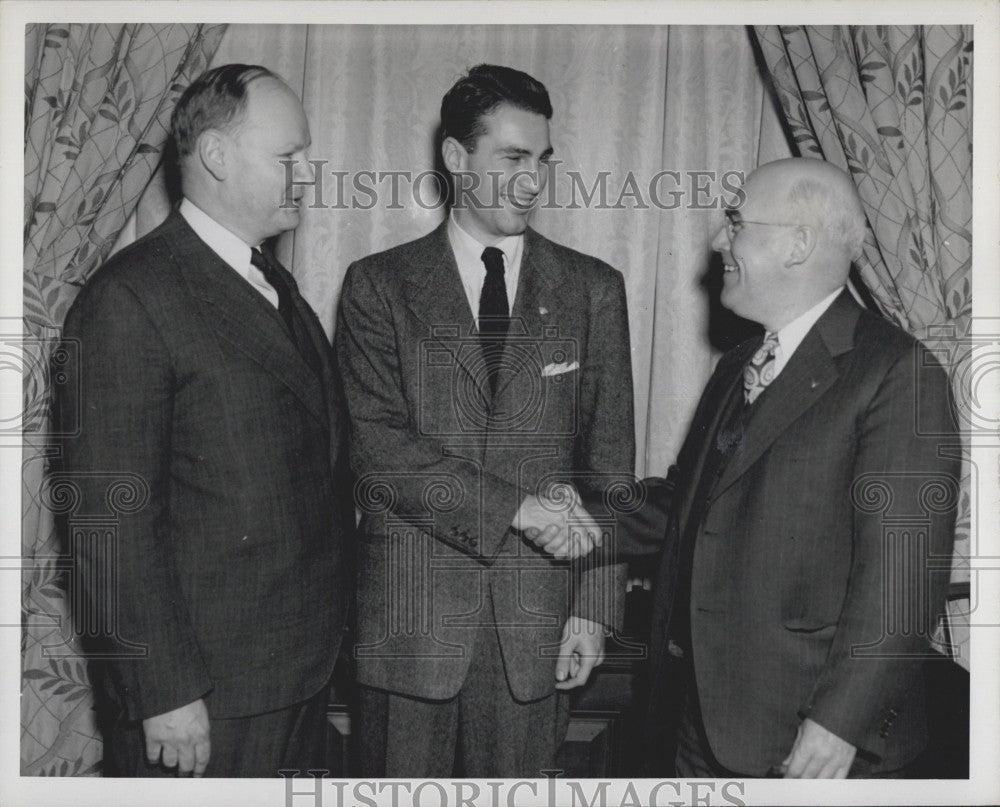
point(557, 523)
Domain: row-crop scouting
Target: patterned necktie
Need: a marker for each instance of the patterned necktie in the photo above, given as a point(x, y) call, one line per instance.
point(273, 277)
point(760, 371)
point(494, 313)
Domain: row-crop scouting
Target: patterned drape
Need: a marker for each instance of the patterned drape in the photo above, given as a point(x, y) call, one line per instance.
point(893, 105)
point(98, 100)
point(629, 100)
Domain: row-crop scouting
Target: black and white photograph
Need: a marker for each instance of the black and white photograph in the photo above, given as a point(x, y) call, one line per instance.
point(500, 403)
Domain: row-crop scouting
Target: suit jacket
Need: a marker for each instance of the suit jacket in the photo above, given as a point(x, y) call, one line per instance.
point(229, 568)
point(440, 479)
point(818, 558)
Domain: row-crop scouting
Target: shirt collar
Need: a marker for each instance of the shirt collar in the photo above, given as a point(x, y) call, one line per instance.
point(791, 336)
point(227, 245)
point(469, 251)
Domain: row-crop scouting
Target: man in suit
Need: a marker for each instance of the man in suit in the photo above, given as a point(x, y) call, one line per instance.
point(809, 535)
point(487, 372)
point(207, 383)
point(808, 540)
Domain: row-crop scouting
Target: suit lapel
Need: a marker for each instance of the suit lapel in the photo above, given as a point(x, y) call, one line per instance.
point(242, 317)
point(437, 297)
point(707, 421)
point(321, 344)
point(810, 372)
point(540, 274)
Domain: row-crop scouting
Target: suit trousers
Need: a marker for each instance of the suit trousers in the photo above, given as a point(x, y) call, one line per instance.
point(258, 746)
point(494, 734)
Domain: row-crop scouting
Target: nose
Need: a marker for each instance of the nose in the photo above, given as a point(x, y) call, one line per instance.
point(302, 169)
point(721, 241)
point(530, 182)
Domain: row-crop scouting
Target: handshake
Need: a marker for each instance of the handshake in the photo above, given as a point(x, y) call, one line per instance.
point(557, 523)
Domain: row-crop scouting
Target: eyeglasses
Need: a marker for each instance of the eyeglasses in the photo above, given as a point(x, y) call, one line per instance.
point(734, 223)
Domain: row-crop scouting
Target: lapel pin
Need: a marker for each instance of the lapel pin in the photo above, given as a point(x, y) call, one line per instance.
point(543, 310)
point(813, 384)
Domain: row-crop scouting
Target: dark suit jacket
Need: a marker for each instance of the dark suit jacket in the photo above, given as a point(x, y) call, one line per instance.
point(229, 573)
point(439, 483)
point(820, 556)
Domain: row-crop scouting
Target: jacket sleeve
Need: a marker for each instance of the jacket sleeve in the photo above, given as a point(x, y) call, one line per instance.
point(894, 595)
point(471, 508)
point(605, 452)
point(122, 390)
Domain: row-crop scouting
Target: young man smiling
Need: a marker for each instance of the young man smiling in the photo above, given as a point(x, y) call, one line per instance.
point(481, 363)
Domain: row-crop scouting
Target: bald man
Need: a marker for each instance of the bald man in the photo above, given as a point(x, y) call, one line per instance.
point(809, 534)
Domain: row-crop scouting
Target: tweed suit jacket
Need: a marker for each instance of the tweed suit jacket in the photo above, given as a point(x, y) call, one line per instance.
point(820, 557)
point(229, 569)
point(439, 480)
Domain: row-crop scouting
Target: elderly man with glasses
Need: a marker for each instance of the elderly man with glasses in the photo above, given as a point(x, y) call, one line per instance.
point(809, 534)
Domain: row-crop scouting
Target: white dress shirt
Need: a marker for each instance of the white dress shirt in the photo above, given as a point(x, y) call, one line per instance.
point(469, 257)
point(791, 336)
point(228, 246)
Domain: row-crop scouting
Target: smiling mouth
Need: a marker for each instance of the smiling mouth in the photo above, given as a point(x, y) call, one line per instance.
point(518, 203)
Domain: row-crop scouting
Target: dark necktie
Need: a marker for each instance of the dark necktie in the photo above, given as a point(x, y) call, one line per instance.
point(271, 274)
point(300, 337)
point(494, 314)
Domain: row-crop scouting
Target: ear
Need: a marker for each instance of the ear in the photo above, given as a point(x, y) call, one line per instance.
point(455, 157)
point(213, 153)
point(802, 245)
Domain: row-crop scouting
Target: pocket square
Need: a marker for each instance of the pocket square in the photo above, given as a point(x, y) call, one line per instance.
point(559, 369)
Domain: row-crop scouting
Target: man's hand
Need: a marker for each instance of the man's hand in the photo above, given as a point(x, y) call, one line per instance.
point(818, 754)
point(182, 737)
point(558, 524)
point(580, 650)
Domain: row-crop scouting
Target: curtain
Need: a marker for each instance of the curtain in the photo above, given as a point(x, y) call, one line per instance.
point(893, 105)
point(629, 101)
point(98, 100)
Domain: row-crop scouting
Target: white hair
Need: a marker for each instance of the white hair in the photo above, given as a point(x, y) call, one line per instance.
point(833, 206)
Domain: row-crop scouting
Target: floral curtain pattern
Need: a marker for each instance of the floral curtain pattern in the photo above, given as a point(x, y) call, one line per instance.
point(893, 105)
point(629, 100)
point(98, 100)
point(355, 78)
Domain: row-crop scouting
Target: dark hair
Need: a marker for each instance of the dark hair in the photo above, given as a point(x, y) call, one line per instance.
point(212, 101)
point(478, 93)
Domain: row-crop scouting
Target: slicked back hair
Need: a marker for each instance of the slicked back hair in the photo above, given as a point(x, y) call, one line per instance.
point(214, 100)
point(482, 90)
